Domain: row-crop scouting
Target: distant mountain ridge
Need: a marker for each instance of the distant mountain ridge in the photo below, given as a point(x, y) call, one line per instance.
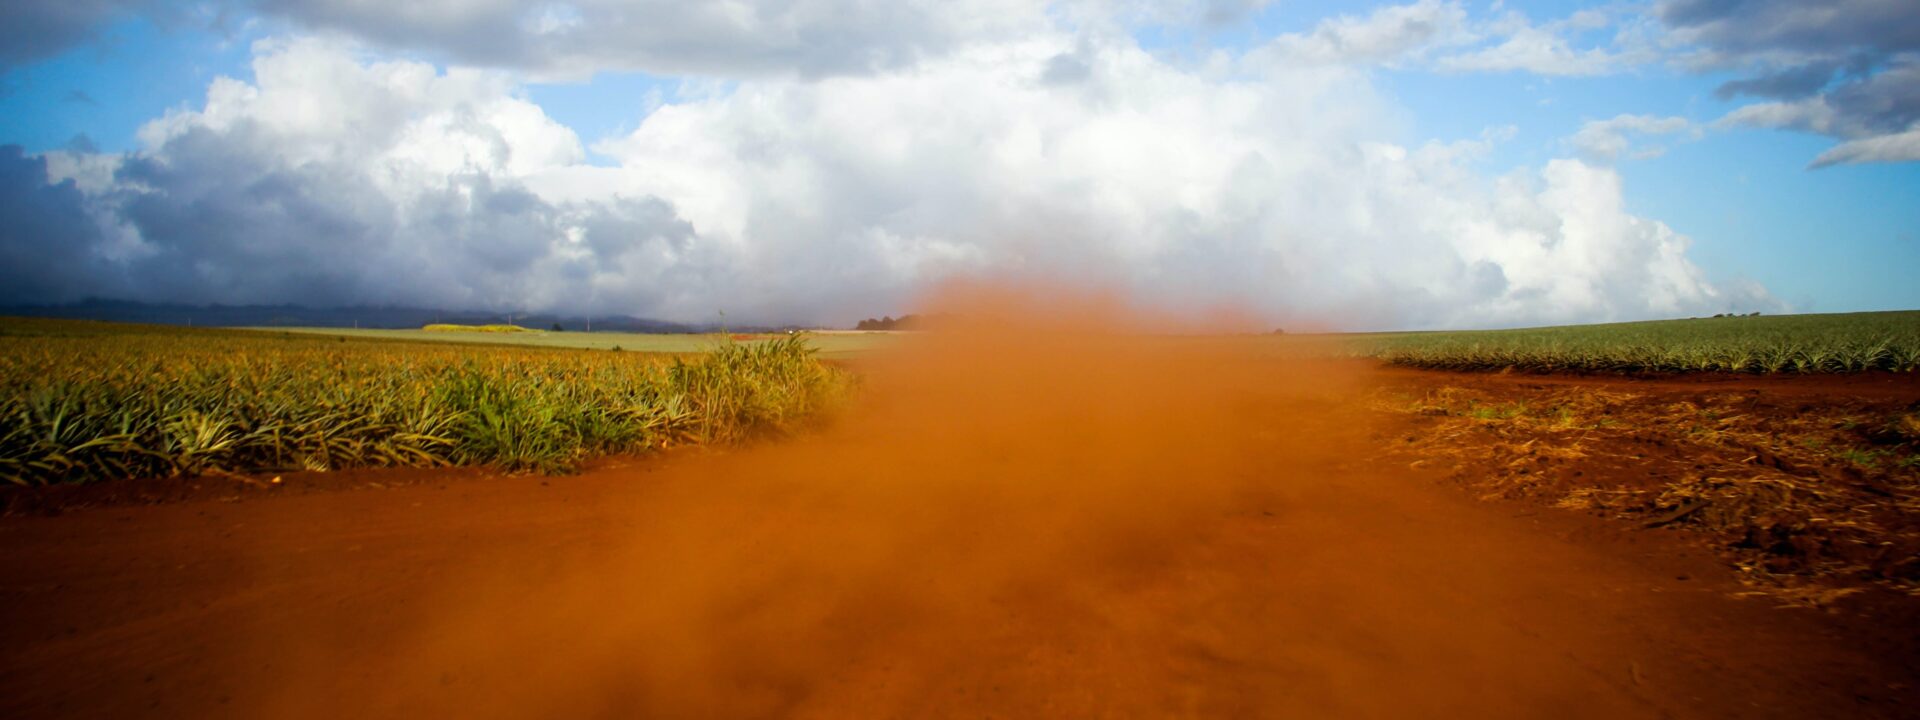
point(341, 317)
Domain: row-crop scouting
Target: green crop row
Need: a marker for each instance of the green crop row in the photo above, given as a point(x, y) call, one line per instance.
point(83, 401)
point(1850, 342)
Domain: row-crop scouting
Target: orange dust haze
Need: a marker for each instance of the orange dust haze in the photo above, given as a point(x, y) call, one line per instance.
point(996, 478)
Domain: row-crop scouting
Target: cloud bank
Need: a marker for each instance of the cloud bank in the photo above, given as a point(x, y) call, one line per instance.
point(1849, 69)
point(334, 178)
point(1845, 68)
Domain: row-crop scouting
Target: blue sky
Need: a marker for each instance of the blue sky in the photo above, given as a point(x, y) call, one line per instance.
point(1833, 239)
point(1839, 237)
point(106, 89)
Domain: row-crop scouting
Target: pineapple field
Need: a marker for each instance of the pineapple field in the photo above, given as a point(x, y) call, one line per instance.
point(88, 401)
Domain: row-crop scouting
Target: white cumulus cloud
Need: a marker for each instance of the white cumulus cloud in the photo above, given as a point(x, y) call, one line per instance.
point(334, 178)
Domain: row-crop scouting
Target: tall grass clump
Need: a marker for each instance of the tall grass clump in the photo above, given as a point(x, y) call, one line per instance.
point(740, 388)
point(90, 401)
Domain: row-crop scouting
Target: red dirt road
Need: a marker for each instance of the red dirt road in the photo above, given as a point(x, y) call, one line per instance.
point(1029, 537)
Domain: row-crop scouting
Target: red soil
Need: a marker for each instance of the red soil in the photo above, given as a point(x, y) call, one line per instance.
point(1811, 483)
point(1027, 526)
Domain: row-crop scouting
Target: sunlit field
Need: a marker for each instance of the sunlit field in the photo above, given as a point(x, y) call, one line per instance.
point(1844, 342)
point(1847, 342)
point(82, 401)
point(828, 344)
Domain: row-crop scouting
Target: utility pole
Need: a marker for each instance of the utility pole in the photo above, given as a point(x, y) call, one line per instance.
point(593, 301)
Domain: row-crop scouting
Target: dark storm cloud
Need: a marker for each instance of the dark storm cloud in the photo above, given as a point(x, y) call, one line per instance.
point(46, 237)
point(1746, 27)
point(1886, 101)
point(223, 221)
point(1851, 67)
point(220, 219)
point(35, 29)
point(1793, 82)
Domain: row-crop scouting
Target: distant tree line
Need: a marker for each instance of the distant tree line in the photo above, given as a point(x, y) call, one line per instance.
point(904, 322)
point(907, 322)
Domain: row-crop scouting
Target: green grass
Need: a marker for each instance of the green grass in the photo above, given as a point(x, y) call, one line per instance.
point(450, 327)
point(82, 401)
point(827, 344)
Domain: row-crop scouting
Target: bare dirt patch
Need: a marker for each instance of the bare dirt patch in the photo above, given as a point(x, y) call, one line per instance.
point(1809, 485)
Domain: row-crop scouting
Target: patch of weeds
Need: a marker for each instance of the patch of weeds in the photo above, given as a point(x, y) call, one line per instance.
point(1869, 459)
point(1496, 411)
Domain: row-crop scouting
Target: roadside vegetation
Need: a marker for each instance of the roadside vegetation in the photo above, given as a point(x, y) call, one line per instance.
point(83, 401)
point(1849, 342)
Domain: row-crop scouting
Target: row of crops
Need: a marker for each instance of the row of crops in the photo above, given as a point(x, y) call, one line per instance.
point(87, 401)
point(1850, 342)
point(82, 401)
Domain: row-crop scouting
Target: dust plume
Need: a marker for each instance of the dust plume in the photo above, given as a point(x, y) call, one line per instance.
point(997, 479)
